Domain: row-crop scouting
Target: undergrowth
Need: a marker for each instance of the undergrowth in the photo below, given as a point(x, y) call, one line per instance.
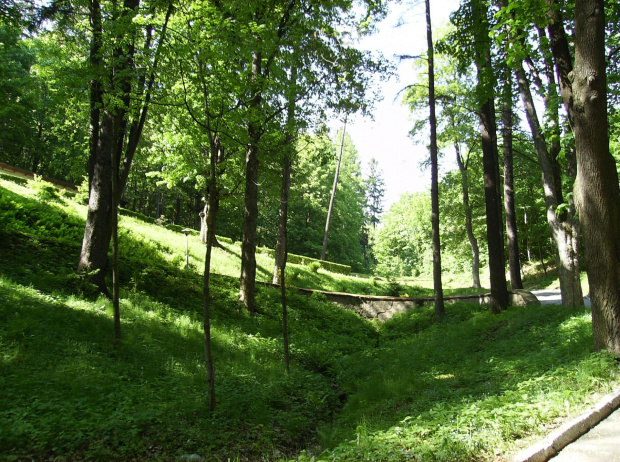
point(470, 387)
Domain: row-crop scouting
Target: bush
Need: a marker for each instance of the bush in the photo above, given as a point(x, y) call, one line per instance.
point(43, 190)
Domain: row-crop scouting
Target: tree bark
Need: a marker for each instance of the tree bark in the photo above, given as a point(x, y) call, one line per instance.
point(98, 228)
point(437, 285)
point(247, 286)
point(488, 131)
point(499, 291)
point(473, 242)
point(281, 253)
point(204, 225)
point(211, 217)
point(95, 86)
point(597, 192)
point(514, 261)
point(247, 290)
point(571, 274)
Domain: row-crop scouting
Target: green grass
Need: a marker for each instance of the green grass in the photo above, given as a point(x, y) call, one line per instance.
point(472, 387)
point(469, 387)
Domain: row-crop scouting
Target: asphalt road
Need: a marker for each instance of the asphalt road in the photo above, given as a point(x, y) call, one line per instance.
point(553, 297)
point(602, 443)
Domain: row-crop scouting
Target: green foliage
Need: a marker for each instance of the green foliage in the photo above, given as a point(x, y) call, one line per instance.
point(375, 190)
point(17, 92)
point(402, 246)
point(310, 195)
point(82, 195)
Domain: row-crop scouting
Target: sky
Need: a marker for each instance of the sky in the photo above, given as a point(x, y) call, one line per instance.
point(386, 137)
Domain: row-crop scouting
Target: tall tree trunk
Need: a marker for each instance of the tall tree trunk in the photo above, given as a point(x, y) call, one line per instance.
point(597, 191)
point(473, 242)
point(333, 196)
point(497, 271)
point(280, 256)
point(561, 223)
point(437, 285)
point(211, 217)
point(95, 242)
point(98, 229)
point(96, 100)
point(514, 261)
point(247, 289)
point(280, 253)
point(115, 273)
point(490, 162)
point(247, 286)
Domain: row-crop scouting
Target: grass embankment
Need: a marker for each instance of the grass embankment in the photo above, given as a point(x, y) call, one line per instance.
point(468, 388)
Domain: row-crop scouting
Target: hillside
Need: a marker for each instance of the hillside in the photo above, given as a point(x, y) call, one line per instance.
point(473, 387)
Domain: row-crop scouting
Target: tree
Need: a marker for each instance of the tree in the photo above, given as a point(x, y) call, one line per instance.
point(281, 252)
point(208, 93)
point(456, 247)
point(403, 244)
point(17, 92)
point(123, 58)
point(311, 184)
point(462, 161)
point(488, 131)
point(561, 221)
point(287, 32)
point(438, 289)
point(514, 261)
point(455, 121)
point(597, 191)
point(375, 190)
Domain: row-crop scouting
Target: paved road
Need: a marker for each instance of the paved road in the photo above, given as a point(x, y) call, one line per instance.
point(602, 443)
point(553, 297)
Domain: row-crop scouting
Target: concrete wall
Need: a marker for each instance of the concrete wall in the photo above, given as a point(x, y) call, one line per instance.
point(383, 308)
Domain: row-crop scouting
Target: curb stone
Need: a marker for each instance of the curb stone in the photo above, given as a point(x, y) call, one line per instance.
point(570, 431)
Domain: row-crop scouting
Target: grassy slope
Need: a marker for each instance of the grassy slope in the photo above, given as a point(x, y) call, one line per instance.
point(466, 388)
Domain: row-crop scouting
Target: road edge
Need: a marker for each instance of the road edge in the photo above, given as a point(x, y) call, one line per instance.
point(570, 431)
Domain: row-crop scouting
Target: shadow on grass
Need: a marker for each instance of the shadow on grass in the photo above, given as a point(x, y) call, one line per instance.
point(68, 393)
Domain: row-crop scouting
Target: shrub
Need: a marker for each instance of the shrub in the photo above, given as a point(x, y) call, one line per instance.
point(43, 190)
